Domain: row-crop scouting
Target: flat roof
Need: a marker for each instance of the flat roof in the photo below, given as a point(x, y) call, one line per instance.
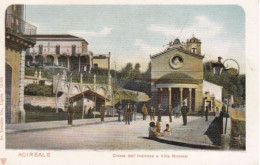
point(55, 36)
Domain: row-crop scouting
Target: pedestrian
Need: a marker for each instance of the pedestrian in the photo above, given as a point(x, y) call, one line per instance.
point(152, 111)
point(70, 112)
point(102, 112)
point(170, 114)
point(119, 110)
point(134, 111)
point(184, 111)
point(128, 113)
point(160, 110)
point(144, 111)
point(206, 113)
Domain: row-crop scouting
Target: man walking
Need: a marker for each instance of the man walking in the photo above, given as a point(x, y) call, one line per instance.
point(70, 113)
point(184, 111)
point(152, 111)
point(160, 110)
point(102, 112)
point(128, 113)
point(206, 113)
point(145, 111)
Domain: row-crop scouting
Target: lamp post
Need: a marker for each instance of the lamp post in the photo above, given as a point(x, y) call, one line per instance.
point(218, 68)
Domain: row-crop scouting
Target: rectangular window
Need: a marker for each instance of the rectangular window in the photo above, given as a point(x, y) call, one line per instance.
point(58, 49)
point(40, 49)
point(73, 52)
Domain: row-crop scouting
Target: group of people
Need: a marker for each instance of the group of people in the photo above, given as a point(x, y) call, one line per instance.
point(155, 130)
point(184, 110)
point(128, 112)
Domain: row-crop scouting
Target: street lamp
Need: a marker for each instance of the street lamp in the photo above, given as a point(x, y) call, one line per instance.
point(218, 68)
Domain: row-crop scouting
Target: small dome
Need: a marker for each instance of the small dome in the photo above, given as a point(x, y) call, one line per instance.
point(176, 41)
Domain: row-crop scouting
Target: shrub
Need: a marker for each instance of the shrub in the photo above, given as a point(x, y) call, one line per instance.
point(39, 90)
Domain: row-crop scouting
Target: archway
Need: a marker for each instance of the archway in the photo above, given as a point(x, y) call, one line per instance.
point(28, 60)
point(39, 60)
point(50, 60)
point(62, 61)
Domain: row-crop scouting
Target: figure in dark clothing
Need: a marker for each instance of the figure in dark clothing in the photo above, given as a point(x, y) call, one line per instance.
point(70, 113)
point(206, 113)
point(184, 111)
point(160, 110)
point(128, 113)
point(102, 112)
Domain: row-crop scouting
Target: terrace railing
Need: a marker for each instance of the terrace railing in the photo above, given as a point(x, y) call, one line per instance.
point(18, 26)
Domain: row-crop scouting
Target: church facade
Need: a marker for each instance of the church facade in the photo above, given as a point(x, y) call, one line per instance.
point(177, 76)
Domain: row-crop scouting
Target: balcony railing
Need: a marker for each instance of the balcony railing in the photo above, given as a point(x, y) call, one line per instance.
point(17, 25)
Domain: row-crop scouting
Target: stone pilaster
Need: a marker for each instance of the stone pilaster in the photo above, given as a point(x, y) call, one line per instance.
point(21, 110)
point(181, 96)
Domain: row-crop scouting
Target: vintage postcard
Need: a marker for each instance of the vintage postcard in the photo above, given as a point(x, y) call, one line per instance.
point(129, 82)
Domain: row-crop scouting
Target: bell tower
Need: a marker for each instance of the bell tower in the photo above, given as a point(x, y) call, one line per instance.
point(193, 45)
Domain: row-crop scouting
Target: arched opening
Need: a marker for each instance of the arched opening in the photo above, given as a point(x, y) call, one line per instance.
point(28, 60)
point(62, 61)
point(74, 63)
point(39, 60)
point(50, 60)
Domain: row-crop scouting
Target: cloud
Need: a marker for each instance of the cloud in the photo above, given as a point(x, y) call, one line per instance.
point(146, 48)
point(102, 33)
point(201, 26)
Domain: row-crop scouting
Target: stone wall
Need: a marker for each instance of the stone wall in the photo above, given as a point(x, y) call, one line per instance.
point(40, 101)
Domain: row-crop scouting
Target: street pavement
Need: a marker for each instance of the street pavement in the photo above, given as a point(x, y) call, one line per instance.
point(94, 135)
point(197, 133)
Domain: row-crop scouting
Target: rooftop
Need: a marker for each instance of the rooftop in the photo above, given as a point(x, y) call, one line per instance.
point(178, 78)
point(56, 36)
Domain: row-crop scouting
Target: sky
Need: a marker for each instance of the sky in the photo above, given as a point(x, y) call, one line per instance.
point(133, 32)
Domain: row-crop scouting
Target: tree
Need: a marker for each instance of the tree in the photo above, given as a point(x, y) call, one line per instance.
point(232, 85)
